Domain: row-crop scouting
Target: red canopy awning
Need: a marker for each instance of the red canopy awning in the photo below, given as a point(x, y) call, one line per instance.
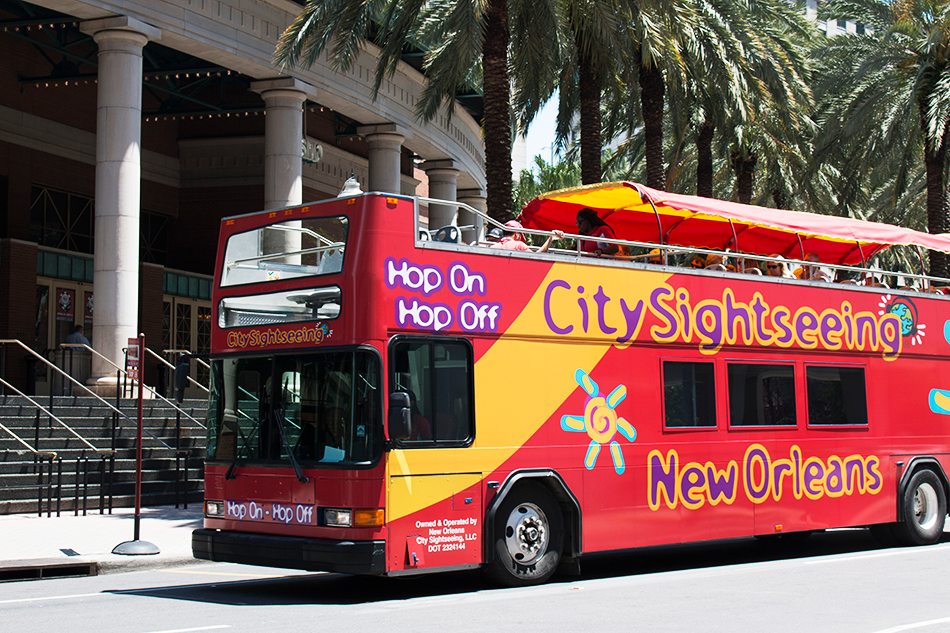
point(641, 214)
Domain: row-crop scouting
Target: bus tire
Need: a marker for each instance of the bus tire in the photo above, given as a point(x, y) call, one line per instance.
point(924, 510)
point(529, 534)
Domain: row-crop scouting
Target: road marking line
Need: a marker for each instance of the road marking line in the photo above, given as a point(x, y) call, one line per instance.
point(914, 625)
point(197, 628)
point(75, 595)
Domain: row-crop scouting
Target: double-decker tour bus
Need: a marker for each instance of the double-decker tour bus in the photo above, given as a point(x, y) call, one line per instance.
point(387, 404)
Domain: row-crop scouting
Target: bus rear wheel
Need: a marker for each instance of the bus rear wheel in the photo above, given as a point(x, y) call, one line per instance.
point(528, 534)
point(924, 507)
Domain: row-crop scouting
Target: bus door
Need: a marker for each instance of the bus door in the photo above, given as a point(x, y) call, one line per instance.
point(434, 500)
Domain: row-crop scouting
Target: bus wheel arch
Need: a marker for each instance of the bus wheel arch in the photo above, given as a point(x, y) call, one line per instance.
point(922, 503)
point(526, 500)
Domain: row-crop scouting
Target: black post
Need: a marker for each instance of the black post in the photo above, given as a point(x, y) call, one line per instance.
point(177, 456)
point(85, 484)
point(59, 484)
point(111, 479)
point(185, 505)
point(76, 489)
point(39, 490)
point(36, 434)
point(49, 489)
point(102, 483)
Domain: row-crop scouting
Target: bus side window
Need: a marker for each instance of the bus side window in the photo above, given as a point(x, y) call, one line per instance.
point(436, 376)
point(761, 395)
point(689, 395)
point(836, 395)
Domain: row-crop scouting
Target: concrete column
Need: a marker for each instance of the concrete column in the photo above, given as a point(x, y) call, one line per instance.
point(283, 163)
point(443, 183)
point(385, 151)
point(118, 182)
point(478, 199)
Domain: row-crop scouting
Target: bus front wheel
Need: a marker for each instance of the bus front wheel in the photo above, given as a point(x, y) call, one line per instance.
point(924, 507)
point(528, 535)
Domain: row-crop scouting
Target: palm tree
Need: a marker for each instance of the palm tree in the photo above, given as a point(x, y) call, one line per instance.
point(885, 98)
point(463, 38)
point(750, 80)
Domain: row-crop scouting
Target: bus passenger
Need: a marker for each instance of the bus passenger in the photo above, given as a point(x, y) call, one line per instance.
point(816, 273)
point(589, 223)
point(697, 262)
point(718, 262)
point(777, 267)
point(513, 239)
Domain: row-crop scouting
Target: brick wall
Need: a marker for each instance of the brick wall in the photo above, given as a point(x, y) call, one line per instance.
point(17, 304)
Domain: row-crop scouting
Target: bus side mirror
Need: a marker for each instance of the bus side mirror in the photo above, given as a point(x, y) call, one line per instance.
point(400, 416)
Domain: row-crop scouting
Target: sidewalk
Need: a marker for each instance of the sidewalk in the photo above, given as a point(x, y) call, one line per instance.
point(91, 538)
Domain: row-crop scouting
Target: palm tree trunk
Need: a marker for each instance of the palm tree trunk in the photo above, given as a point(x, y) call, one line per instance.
point(778, 199)
point(938, 205)
point(704, 159)
point(497, 111)
point(590, 118)
point(744, 167)
point(651, 105)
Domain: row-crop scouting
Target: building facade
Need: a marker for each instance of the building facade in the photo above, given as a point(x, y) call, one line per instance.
point(129, 129)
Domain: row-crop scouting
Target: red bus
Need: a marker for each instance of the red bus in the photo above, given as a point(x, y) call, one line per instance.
point(386, 404)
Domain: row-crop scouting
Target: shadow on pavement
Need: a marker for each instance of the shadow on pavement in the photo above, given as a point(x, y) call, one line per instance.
point(336, 589)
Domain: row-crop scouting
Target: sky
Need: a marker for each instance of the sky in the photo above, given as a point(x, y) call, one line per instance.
point(540, 135)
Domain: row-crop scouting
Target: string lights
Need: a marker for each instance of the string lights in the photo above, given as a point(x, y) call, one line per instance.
point(38, 26)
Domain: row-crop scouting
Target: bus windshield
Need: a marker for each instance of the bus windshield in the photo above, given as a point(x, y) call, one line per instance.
point(286, 250)
point(323, 408)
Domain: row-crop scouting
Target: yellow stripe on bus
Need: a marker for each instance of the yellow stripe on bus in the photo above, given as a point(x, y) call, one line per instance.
point(521, 381)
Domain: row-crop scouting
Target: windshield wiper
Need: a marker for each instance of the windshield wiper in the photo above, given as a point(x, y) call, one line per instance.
point(278, 414)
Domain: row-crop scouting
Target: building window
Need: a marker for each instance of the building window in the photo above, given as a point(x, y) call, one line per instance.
point(859, 29)
point(689, 395)
point(437, 376)
point(154, 242)
point(761, 395)
point(836, 395)
point(61, 220)
point(842, 25)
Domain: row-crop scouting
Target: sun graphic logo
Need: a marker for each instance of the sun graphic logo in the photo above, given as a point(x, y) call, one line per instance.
point(600, 421)
point(904, 309)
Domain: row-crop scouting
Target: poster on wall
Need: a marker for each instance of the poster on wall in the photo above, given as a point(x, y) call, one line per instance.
point(65, 304)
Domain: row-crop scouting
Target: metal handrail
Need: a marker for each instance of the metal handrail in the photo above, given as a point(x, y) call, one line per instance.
point(36, 404)
point(126, 374)
point(30, 449)
point(66, 375)
point(165, 362)
point(79, 384)
point(667, 248)
point(198, 360)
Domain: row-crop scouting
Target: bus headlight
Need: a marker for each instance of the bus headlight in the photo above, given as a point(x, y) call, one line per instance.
point(337, 517)
point(214, 508)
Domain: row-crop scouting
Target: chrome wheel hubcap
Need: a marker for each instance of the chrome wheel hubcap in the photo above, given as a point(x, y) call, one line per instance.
point(526, 533)
point(925, 506)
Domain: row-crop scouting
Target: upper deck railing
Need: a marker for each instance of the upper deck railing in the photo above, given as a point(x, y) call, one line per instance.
point(869, 275)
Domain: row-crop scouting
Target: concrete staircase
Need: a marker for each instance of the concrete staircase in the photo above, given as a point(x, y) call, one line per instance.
point(79, 473)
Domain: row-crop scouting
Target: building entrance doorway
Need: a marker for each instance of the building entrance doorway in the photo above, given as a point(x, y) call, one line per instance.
point(60, 306)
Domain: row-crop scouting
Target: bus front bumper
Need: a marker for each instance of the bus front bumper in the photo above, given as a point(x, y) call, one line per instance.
point(293, 552)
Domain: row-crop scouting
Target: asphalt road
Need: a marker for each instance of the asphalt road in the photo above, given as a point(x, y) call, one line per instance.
point(839, 581)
